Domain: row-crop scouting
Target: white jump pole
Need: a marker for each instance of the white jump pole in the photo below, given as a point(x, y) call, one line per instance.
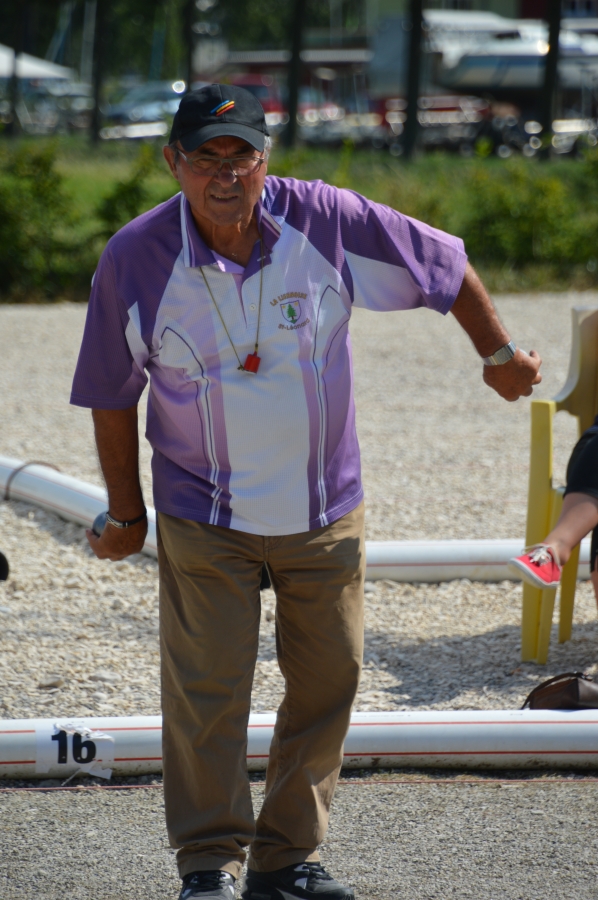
point(435, 561)
point(407, 561)
point(67, 497)
point(470, 739)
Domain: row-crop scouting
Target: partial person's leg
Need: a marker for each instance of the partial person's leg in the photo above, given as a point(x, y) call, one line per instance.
point(594, 563)
point(582, 476)
point(541, 565)
point(318, 578)
point(578, 517)
point(209, 628)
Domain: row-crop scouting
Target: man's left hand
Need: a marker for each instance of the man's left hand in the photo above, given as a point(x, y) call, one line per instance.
point(515, 378)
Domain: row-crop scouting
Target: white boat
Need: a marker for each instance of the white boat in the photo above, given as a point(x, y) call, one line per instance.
point(478, 52)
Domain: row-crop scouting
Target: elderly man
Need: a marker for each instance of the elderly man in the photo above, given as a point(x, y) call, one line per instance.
point(235, 297)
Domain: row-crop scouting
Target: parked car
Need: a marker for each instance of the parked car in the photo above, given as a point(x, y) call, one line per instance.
point(150, 102)
point(265, 89)
point(75, 104)
point(36, 109)
point(446, 122)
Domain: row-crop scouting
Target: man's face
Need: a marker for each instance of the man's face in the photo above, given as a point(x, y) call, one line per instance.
point(223, 199)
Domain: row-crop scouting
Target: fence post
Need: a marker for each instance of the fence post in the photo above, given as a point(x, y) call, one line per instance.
point(413, 75)
point(98, 68)
point(551, 73)
point(294, 70)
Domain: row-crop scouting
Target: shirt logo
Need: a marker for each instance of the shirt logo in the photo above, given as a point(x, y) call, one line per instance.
point(291, 310)
point(223, 107)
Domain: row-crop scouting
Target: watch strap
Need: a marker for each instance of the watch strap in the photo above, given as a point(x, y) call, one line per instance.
point(501, 356)
point(119, 524)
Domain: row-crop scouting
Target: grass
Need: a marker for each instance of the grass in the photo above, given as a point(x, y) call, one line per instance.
point(90, 175)
point(527, 224)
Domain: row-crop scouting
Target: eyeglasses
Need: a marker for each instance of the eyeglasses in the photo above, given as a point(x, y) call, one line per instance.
point(210, 165)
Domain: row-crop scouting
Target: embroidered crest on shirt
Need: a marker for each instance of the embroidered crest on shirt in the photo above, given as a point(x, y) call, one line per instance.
point(291, 310)
point(288, 296)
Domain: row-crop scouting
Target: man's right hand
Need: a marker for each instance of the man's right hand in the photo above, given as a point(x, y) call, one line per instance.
point(118, 543)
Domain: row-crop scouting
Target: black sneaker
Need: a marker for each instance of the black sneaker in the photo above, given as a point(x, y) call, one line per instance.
point(307, 880)
point(213, 884)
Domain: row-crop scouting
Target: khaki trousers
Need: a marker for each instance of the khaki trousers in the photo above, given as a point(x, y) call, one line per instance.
point(209, 627)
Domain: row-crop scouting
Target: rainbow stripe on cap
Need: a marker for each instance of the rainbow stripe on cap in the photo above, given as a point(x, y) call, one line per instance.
point(223, 107)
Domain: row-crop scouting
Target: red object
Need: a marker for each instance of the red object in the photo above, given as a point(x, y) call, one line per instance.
point(252, 363)
point(539, 566)
point(264, 88)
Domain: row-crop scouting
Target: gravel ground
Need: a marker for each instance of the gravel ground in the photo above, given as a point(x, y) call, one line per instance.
point(443, 458)
point(425, 841)
point(79, 636)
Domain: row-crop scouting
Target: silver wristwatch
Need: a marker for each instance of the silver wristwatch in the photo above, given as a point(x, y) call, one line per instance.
point(501, 356)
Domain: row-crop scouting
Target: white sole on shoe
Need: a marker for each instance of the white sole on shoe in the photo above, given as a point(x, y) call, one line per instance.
point(277, 893)
point(517, 568)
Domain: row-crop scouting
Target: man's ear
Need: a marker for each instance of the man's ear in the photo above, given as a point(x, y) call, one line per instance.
point(169, 156)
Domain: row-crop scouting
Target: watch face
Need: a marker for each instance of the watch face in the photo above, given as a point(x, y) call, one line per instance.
point(503, 355)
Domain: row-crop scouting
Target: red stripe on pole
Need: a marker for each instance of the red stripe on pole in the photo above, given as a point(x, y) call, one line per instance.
point(137, 759)
point(507, 722)
point(17, 762)
point(382, 753)
point(135, 728)
point(22, 731)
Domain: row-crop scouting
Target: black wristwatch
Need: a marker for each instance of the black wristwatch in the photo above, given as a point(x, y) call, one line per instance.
point(128, 524)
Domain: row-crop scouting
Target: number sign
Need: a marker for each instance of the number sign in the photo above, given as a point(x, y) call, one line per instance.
point(64, 748)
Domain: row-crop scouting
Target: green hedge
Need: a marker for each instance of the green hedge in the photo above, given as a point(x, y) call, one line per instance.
point(523, 214)
point(39, 252)
point(525, 223)
point(48, 246)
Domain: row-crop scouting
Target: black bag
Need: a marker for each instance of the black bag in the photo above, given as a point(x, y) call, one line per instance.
point(572, 690)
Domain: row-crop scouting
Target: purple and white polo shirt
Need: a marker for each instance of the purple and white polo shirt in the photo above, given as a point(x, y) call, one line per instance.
point(275, 452)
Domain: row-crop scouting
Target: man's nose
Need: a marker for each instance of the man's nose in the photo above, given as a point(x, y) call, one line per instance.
point(225, 175)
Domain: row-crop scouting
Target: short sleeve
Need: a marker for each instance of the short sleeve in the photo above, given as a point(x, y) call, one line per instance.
point(397, 262)
point(110, 369)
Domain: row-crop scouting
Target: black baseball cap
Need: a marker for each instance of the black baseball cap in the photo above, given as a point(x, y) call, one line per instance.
point(218, 110)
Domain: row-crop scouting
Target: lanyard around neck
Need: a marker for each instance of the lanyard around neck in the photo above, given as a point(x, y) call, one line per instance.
point(252, 362)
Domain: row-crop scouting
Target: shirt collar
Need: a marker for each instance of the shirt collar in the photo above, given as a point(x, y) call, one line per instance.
point(197, 253)
point(195, 250)
point(268, 227)
point(228, 265)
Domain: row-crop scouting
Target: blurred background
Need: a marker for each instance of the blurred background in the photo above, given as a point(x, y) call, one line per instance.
point(480, 117)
